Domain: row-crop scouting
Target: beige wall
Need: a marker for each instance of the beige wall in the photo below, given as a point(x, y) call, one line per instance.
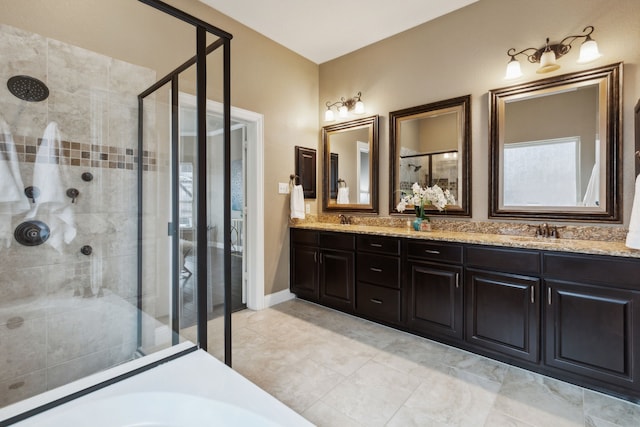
point(465, 53)
point(461, 53)
point(266, 78)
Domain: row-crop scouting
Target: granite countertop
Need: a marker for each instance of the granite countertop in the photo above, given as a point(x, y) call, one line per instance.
point(612, 248)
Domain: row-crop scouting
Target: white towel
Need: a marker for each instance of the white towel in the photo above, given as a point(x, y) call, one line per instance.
point(297, 202)
point(633, 236)
point(343, 196)
point(12, 198)
point(52, 206)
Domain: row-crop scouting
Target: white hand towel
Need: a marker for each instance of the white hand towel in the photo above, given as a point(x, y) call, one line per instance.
point(343, 196)
point(12, 198)
point(297, 202)
point(52, 205)
point(633, 236)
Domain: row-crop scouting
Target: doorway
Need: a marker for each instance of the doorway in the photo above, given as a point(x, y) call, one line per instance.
point(247, 201)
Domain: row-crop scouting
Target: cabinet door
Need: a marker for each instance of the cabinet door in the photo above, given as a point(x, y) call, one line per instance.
point(502, 313)
point(435, 299)
point(591, 330)
point(304, 272)
point(337, 279)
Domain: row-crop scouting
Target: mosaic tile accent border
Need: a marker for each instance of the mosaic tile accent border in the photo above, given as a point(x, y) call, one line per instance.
point(81, 154)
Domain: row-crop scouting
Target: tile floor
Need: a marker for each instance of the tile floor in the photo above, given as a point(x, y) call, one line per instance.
point(338, 370)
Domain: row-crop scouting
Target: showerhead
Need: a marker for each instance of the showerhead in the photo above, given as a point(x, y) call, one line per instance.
point(28, 88)
point(416, 168)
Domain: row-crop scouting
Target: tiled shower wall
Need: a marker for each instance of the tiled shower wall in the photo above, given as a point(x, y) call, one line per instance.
point(65, 315)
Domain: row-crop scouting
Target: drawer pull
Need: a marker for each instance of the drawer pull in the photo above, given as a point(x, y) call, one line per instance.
point(375, 245)
point(533, 297)
point(430, 251)
point(375, 301)
point(376, 270)
point(549, 295)
point(457, 280)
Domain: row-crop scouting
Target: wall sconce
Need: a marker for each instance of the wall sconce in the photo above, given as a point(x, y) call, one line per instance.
point(344, 106)
point(548, 54)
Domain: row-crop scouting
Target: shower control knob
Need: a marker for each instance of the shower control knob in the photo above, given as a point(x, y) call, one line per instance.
point(87, 176)
point(73, 193)
point(32, 193)
point(32, 233)
point(86, 250)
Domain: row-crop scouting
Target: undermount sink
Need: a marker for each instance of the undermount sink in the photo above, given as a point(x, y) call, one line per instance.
point(530, 239)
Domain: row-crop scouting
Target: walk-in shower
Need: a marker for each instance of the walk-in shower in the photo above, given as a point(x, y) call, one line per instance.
point(90, 243)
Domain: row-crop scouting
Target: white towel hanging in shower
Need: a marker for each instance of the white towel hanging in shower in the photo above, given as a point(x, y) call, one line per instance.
point(12, 198)
point(52, 205)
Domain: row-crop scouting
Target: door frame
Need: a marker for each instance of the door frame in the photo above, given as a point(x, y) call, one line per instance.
point(254, 220)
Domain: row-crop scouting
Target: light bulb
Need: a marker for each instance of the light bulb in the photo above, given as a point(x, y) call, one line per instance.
point(589, 51)
point(329, 116)
point(513, 69)
point(547, 62)
point(359, 107)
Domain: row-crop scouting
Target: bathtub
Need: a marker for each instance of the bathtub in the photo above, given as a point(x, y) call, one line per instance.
point(194, 389)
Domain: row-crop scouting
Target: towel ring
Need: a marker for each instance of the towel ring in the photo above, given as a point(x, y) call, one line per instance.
point(342, 183)
point(293, 180)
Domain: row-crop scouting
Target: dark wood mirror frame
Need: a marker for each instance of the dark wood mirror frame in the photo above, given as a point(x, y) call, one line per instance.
point(329, 188)
point(463, 208)
point(611, 114)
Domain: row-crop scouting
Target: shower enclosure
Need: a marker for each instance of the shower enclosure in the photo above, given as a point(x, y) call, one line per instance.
point(93, 171)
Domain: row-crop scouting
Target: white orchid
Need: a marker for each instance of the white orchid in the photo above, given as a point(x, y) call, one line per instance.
point(421, 197)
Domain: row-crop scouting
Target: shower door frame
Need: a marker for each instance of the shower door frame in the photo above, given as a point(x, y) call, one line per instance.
point(202, 50)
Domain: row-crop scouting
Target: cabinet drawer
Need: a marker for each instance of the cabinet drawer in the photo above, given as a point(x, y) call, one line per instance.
point(377, 244)
point(504, 260)
point(434, 251)
point(379, 270)
point(304, 237)
point(619, 272)
point(342, 241)
point(378, 302)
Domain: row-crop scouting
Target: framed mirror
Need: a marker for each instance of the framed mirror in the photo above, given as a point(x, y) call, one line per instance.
point(555, 148)
point(431, 144)
point(350, 182)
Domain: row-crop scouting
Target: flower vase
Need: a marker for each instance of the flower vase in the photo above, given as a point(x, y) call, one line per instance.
point(417, 223)
point(425, 225)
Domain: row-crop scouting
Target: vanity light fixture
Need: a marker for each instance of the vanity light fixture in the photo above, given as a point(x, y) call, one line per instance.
point(549, 53)
point(343, 107)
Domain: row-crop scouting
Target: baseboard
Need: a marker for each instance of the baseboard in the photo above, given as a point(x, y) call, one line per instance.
point(278, 297)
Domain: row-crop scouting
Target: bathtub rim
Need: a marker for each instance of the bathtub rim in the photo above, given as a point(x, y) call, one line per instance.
point(42, 402)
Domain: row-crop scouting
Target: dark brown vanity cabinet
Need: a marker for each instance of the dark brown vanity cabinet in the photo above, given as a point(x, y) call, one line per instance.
point(378, 286)
point(433, 277)
point(337, 270)
point(572, 316)
point(592, 317)
point(502, 300)
point(323, 267)
point(304, 270)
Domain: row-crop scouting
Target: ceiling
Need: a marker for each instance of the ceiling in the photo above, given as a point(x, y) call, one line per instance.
point(326, 29)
